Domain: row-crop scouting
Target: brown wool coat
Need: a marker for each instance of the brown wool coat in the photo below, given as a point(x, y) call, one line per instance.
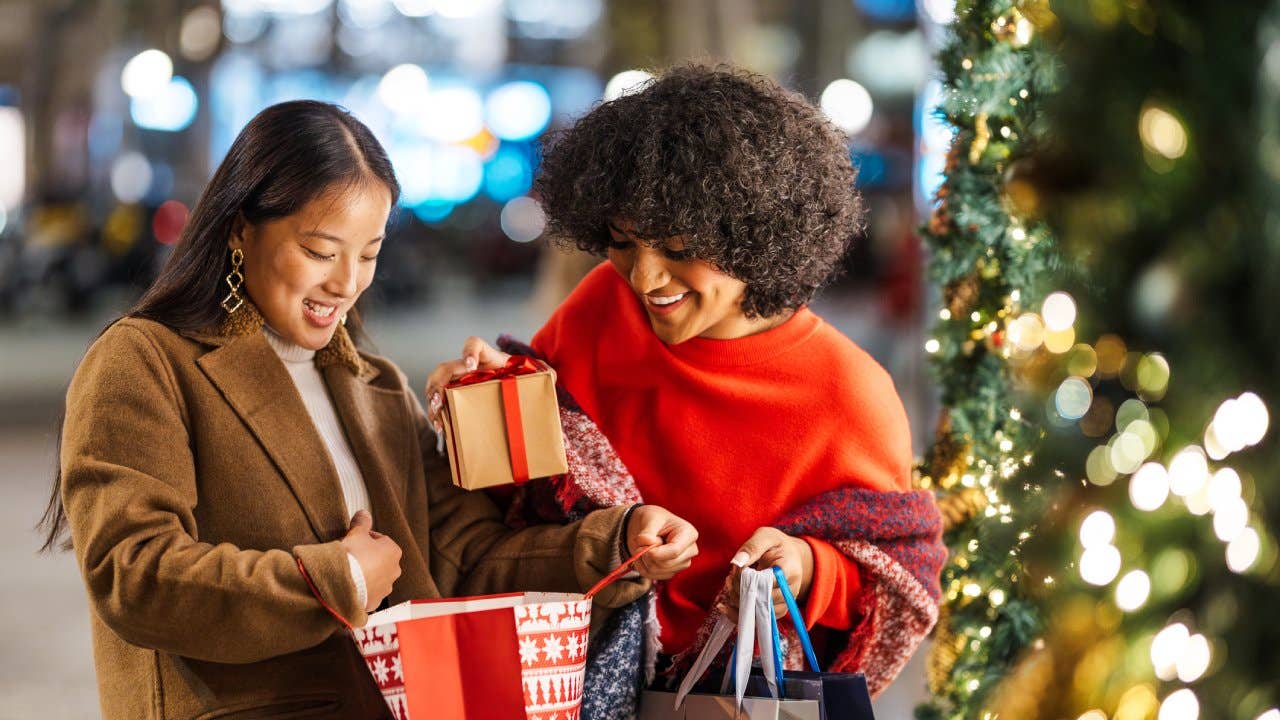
point(194, 480)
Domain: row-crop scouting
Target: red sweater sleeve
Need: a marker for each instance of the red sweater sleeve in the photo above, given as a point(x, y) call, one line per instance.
point(834, 588)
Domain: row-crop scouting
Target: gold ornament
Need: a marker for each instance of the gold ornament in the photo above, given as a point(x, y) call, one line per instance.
point(1025, 691)
point(948, 458)
point(961, 505)
point(981, 137)
point(1014, 28)
point(943, 657)
point(961, 295)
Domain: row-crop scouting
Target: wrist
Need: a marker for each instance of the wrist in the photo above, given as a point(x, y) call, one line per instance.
point(623, 543)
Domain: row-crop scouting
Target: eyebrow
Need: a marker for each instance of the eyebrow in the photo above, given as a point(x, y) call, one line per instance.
point(326, 236)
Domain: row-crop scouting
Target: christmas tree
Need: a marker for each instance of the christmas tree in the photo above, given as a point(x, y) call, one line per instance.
point(1125, 569)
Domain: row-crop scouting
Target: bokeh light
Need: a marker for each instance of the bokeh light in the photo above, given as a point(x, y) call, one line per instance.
point(131, 177)
point(1242, 552)
point(1162, 133)
point(171, 110)
point(1149, 487)
point(522, 219)
point(1180, 705)
point(1098, 529)
point(168, 222)
point(1195, 658)
point(1100, 564)
point(404, 88)
point(1188, 472)
point(1073, 398)
point(1166, 648)
point(455, 113)
point(1133, 590)
point(1059, 311)
point(147, 74)
point(200, 34)
point(625, 82)
point(848, 105)
point(518, 110)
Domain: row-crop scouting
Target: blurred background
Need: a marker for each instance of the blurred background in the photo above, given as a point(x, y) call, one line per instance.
point(114, 113)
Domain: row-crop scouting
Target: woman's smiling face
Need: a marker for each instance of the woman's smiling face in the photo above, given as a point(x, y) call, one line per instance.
point(305, 271)
point(684, 297)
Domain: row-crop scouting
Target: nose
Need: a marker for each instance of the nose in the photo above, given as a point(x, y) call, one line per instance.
point(649, 272)
point(344, 279)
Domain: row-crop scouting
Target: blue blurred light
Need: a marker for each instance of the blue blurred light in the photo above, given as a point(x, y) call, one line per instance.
point(8, 96)
point(873, 169)
point(412, 163)
point(456, 174)
point(170, 110)
point(518, 110)
point(508, 174)
point(888, 10)
point(433, 211)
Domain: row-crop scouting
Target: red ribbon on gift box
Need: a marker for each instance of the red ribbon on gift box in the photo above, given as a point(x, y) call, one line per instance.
point(516, 366)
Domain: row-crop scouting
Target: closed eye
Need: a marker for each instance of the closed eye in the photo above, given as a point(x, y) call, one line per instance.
point(620, 244)
point(677, 255)
point(317, 255)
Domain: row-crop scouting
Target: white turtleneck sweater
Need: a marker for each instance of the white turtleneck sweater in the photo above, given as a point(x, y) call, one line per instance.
point(300, 362)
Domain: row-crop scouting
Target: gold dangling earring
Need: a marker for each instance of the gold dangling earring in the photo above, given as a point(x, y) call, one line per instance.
point(342, 320)
point(235, 279)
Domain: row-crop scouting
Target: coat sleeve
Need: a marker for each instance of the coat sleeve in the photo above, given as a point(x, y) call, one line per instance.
point(129, 484)
point(474, 553)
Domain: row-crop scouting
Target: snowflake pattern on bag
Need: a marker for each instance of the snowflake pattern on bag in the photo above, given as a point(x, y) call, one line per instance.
point(553, 657)
point(552, 641)
point(380, 647)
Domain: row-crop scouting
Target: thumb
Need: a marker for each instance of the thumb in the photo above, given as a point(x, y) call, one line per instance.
point(758, 544)
point(362, 521)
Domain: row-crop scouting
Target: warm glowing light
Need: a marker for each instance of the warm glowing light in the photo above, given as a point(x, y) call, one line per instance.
point(1195, 658)
point(1026, 333)
point(848, 105)
point(1229, 518)
point(1133, 590)
point(1162, 133)
point(1166, 648)
point(932, 346)
point(1099, 565)
point(147, 74)
point(1180, 705)
point(996, 597)
point(1059, 311)
point(1242, 552)
point(1149, 487)
point(1188, 472)
point(1098, 529)
point(404, 88)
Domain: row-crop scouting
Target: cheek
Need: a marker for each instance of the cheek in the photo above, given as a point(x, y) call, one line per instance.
point(621, 262)
point(712, 284)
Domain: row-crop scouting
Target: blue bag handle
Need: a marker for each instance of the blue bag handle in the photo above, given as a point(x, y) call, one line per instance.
point(797, 620)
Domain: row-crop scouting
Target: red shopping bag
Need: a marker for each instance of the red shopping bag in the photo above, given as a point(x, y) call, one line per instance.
point(494, 656)
point(501, 657)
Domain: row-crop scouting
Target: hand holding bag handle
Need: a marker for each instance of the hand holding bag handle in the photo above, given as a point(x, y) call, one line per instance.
point(755, 618)
point(797, 619)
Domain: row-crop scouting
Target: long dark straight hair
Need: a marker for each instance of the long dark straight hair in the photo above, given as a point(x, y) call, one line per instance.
point(287, 156)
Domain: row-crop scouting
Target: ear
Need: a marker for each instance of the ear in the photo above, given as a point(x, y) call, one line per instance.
point(240, 228)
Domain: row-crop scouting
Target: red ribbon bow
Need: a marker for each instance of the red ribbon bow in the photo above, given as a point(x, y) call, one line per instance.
point(516, 366)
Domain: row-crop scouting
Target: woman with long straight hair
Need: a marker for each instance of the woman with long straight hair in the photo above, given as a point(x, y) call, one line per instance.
point(228, 452)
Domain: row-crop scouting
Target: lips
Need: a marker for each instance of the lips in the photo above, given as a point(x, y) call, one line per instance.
point(319, 314)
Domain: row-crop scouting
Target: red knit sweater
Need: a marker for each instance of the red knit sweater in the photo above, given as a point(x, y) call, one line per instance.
point(731, 434)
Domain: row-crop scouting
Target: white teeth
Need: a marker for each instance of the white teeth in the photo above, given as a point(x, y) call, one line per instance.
point(668, 300)
point(320, 310)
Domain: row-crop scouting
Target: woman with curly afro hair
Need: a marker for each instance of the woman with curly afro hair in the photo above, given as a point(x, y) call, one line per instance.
point(723, 203)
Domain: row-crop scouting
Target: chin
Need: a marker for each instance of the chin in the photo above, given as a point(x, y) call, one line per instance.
point(670, 335)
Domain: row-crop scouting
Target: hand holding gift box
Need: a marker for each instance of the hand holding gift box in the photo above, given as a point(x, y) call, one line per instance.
point(502, 426)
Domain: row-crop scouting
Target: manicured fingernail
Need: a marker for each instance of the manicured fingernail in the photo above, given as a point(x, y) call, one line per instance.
point(471, 363)
point(740, 559)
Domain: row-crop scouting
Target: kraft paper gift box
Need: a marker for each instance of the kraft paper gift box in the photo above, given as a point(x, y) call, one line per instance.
point(502, 426)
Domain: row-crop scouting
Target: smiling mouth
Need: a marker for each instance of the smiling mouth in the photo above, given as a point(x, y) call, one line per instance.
point(318, 309)
point(661, 305)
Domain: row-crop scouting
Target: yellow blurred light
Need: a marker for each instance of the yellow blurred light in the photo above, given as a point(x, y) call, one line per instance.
point(996, 597)
point(1059, 341)
point(944, 314)
point(1162, 133)
point(1098, 466)
point(484, 143)
point(1026, 332)
point(1082, 360)
point(1149, 487)
point(1093, 715)
point(972, 590)
point(1127, 452)
point(1138, 703)
point(1111, 352)
point(1129, 411)
point(1229, 518)
point(1133, 590)
point(1153, 375)
point(1272, 714)
point(932, 346)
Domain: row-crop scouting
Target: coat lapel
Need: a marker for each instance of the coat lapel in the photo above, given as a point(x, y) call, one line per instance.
point(375, 422)
point(258, 388)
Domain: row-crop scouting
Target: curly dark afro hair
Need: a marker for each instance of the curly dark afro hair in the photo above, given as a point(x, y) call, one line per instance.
point(756, 179)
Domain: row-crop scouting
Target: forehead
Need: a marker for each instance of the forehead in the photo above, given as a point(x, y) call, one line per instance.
point(360, 210)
